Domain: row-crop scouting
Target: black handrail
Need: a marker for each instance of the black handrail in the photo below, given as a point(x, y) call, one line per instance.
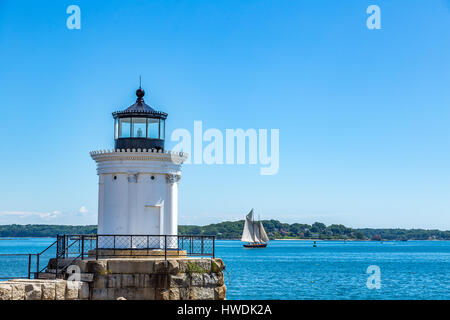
point(48, 247)
point(28, 255)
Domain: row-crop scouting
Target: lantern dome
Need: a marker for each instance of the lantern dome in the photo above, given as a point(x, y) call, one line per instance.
point(139, 126)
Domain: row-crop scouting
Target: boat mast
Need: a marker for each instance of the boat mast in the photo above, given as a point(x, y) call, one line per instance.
point(259, 220)
point(253, 222)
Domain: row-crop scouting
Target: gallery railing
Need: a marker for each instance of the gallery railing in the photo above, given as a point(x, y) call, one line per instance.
point(69, 248)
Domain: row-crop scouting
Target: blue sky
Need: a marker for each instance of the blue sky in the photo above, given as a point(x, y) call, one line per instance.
point(363, 114)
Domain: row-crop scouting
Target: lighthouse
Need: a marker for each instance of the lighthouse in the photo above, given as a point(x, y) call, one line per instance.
point(138, 179)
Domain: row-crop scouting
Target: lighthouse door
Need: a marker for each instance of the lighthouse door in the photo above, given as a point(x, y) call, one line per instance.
point(150, 225)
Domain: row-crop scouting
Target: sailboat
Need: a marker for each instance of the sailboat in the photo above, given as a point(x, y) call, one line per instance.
point(254, 233)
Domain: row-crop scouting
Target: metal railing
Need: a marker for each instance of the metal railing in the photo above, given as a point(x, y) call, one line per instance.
point(24, 265)
point(134, 245)
point(69, 248)
point(17, 263)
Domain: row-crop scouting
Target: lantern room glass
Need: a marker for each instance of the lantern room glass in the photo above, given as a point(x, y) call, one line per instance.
point(153, 128)
point(139, 127)
point(125, 128)
point(162, 129)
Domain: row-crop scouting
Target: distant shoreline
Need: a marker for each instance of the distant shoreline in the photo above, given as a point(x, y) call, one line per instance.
point(25, 238)
point(356, 240)
point(310, 240)
point(232, 230)
point(319, 240)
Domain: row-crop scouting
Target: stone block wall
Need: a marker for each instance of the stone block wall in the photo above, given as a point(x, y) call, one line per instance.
point(131, 279)
point(44, 290)
point(156, 279)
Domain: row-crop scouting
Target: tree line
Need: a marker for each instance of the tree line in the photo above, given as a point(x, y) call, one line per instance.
point(233, 230)
point(43, 230)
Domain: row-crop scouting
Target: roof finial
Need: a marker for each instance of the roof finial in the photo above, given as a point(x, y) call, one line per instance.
point(140, 93)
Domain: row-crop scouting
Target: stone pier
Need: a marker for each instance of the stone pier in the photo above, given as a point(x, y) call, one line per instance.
point(127, 278)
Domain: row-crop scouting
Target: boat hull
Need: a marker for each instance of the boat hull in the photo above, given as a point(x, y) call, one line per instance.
point(255, 245)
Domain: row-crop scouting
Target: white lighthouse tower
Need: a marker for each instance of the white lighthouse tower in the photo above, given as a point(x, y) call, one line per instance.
point(138, 180)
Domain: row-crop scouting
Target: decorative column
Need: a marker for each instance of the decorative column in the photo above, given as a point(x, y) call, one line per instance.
point(101, 191)
point(171, 226)
point(132, 202)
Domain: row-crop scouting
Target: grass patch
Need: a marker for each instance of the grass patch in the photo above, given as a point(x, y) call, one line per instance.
point(193, 267)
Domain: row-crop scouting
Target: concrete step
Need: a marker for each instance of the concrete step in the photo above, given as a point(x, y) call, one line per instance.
point(62, 263)
point(51, 274)
point(45, 275)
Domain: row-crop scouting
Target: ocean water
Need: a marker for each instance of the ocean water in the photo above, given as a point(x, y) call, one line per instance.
point(17, 266)
point(337, 270)
point(297, 270)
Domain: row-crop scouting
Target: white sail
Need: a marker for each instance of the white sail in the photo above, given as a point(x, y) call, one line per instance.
point(250, 215)
point(253, 231)
point(257, 232)
point(249, 230)
point(262, 232)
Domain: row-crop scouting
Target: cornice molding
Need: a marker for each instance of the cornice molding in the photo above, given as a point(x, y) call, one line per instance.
point(138, 155)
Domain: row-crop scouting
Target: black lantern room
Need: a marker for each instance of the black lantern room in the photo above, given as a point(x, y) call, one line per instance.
point(139, 126)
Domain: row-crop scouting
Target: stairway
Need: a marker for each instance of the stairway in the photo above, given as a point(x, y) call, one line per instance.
point(56, 267)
